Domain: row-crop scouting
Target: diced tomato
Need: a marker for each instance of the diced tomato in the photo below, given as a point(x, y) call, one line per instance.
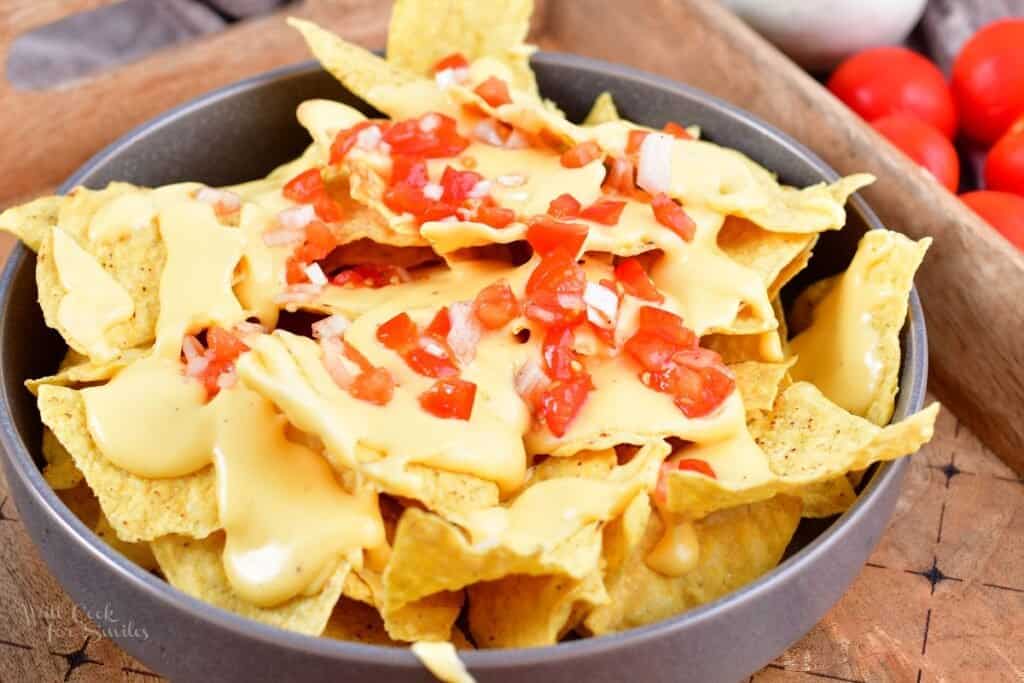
point(431, 358)
point(695, 465)
point(558, 353)
point(635, 139)
point(651, 351)
point(305, 187)
point(431, 136)
point(372, 275)
point(402, 198)
point(398, 333)
point(495, 216)
point(677, 131)
point(635, 280)
point(697, 380)
point(606, 333)
point(495, 306)
point(620, 176)
point(224, 345)
point(667, 325)
point(295, 271)
point(554, 291)
point(345, 140)
point(455, 60)
point(494, 92)
point(327, 209)
point(458, 184)
point(222, 349)
point(562, 401)
point(604, 211)
point(564, 206)
point(407, 170)
point(581, 155)
point(375, 386)
point(546, 235)
point(319, 242)
point(441, 325)
point(672, 216)
point(353, 354)
point(449, 399)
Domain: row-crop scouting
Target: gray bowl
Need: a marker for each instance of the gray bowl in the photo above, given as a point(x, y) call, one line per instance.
point(239, 133)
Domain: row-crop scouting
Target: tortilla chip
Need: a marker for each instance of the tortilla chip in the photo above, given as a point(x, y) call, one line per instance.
point(589, 464)
point(759, 383)
point(764, 347)
point(32, 222)
point(85, 373)
point(441, 659)
point(855, 337)
point(195, 567)
point(429, 618)
point(810, 209)
point(531, 611)
point(776, 256)
point(451, 493)
point(736, 546)
point(602, 111)
point(139, 509)
point(805, 440)
point(358, 623)
point(801, 314)
point(423, 32)
point(828, 498)
point(60, 471)
point(81, 501)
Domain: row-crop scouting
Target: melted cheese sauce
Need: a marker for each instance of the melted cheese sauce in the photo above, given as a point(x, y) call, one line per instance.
point(677, 552)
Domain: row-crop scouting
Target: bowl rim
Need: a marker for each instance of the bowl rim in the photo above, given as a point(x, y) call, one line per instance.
point(23, 465)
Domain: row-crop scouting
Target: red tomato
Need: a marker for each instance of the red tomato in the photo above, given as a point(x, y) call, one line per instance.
point(305, 187)
point(223, 345)
point(581, 155)
point(604, 211)
point(375, 386)
point(449, 399)
point(295, 271)
point(455, 60)
point(458, 184)
point(562, 401)
point(676, 130)
point(697, 380)
point(650, 350)
point(988, 79)
point(558, 354)
point(495, 306)
point(319, 242)
point(372, 275)
point(1002, 210)
point(695, 465)
point(398, 333)
point(635, 140)
point(346, 140)
point(1004, 165)
point(494, 92)
point(435, 362)
point(666, 324)
point(620, 177)
point(353, 354)
point(546, 235)
point(441, 325)
point(564, 206)
point(554, 292)
point(495, 216)
point(406, 170)
point(635, 280)
point(925, 145)
point(894, 80)
point(327, 209)
point(672, 216)
point(431, 135)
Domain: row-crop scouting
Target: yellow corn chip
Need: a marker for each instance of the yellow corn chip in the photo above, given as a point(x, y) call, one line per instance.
point(775, 256)
point(423, 32)
point(86, 372)
point(357, 622)
point(764, 347)
point(589, 464)
point(852, 349)
point(736, 546)
point(429, 618)
point(139, 509)
point(32, 222)
point(759, 383)
point(828, 498)
point(60, 472)
point(801, 314)
point(451, 493)
point(531, 611)
point(602, 111)
point(806, 440)
point(81, 501)
point(194, 567)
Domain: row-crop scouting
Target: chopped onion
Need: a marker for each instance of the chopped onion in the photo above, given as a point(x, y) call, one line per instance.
point(430, 122)
point(433, 191)
point(487, 131)
point(465, 332)
point(511, 180)
point(315, 274)
point(223, 202)
point(283, 238)
point(246, 328)
point(191, 347)
point(480, 190)
point(227, 379)
point(331, 326)
point(333, 352)
point(530, 379)
point(602, 305)
point(655, 171)
point(446, 78)
point(297, 217)
point(196, 366)
point(368, 137)
point(570, 302)
point(516, 140)
point(298, 294)
point(541, 315)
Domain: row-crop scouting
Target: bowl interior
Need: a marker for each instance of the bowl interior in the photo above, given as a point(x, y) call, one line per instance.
point(243, 131)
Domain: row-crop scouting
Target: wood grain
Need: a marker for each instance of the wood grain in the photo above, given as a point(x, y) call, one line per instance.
point(971, 276)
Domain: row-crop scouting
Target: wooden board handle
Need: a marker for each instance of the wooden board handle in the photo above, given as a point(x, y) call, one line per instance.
point(46, 134)
point(971, 280)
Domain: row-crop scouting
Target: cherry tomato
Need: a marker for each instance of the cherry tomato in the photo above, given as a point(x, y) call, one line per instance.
point(581, 155)
point(375, 386)
point(635, 280)
point(894, 80)
point(672, 216)
point(1004, 165)
point(494, 92)
point(1002, 210)
point(988, 79)
point(495, 306)
point(450, 399)
point(546, 235)
point(604, 211)
point(925, 145)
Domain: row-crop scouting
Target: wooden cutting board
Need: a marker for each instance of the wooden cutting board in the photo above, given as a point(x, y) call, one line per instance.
point(942, 598)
